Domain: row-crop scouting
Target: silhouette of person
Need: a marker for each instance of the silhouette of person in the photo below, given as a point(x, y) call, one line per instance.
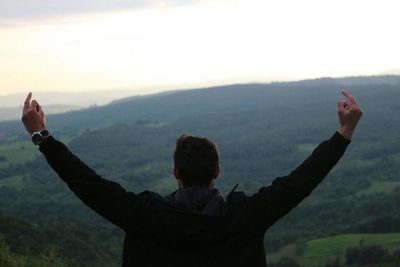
point(195, 225)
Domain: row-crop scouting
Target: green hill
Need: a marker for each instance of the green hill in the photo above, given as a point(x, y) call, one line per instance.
point(263, 131)
point(318, 252)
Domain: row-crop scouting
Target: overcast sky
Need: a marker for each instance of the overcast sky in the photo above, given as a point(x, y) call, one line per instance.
point(146, 45)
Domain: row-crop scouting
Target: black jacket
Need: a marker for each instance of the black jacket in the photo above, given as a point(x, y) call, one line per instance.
point(194, 226)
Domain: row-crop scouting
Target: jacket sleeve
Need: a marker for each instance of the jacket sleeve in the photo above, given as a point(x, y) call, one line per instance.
point(272, 202)
point(105, 197)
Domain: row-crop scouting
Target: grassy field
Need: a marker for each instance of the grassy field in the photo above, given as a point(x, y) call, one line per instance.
point(21, 151)
point(17, 152)
point(318, 251)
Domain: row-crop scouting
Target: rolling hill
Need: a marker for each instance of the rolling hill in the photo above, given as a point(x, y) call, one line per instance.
point(263, 131)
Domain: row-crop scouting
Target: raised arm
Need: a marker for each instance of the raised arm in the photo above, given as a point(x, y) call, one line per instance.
point(107, 198)
point(273, 202)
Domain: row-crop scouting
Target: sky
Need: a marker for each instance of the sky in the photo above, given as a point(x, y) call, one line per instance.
point(152, 45)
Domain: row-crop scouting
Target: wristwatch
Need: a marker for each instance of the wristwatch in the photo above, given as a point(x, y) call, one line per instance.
point(39, 137)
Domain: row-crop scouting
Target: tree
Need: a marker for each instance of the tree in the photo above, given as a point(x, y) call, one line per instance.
point(285, 262)
point(352, 255)
point(366, 255)
point(300, 247)
point(334, 263)
point(373, 254)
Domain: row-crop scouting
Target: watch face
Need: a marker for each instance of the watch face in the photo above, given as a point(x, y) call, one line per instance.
point(37, 138)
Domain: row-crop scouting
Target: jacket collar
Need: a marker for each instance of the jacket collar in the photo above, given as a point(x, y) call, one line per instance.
point(201, 199)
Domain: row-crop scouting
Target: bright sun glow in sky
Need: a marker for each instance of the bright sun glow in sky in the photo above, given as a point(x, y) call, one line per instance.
point(168, 44)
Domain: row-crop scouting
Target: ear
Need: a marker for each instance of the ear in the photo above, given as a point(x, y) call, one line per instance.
point(176, 173)
point(217, 171)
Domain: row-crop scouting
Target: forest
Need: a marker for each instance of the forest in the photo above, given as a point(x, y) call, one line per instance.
point(263, 131)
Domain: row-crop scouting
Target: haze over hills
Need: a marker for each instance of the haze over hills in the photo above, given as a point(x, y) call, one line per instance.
point(170, 105)
point(81, 99)
point(14, 113)
point(59, 102)
point(263, 131)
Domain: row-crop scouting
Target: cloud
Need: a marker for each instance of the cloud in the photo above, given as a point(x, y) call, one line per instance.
point(12, 12)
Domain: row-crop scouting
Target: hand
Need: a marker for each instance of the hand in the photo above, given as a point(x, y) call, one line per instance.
point(33, 116)
point(349, 114)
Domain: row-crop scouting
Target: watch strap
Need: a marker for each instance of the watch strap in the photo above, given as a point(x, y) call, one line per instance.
point(39, 137)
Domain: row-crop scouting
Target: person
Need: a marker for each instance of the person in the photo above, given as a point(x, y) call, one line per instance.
point(195, 225)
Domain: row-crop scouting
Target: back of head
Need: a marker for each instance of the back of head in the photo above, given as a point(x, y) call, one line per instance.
point(196, 159)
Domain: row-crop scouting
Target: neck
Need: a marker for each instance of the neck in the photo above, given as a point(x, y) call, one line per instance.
point(182, 186)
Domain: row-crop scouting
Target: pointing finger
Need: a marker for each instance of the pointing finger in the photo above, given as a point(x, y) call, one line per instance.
point(27, 101)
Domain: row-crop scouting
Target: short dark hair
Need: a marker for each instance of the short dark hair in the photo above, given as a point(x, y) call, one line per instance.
point(196, 159)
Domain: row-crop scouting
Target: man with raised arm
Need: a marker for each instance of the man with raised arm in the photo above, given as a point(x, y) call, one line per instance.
point(195, 225)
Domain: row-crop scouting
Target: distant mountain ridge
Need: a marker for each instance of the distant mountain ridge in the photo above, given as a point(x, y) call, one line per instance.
point(80, 99)
point(14, 113)
point(61, 102)
point(178, 103)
